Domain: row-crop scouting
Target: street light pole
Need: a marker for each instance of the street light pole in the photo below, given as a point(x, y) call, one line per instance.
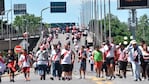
point(105, 36)
point(101, 30)
point(9, 30)
point(109, 21)
point(41, 16)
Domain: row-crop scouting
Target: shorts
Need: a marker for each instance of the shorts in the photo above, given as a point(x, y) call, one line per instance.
point(98, 64)
point(110, 60)
point(66, 67)
point(83, 66)
point(122, 65)
point(26, 69)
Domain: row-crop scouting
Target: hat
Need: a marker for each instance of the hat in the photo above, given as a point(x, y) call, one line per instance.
point(133, 42)
point(103, 43)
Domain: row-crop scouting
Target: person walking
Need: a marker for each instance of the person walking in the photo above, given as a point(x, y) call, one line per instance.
point(122, 60)
point(82, 60)
point(91, 60)
point(145, 54)
point(134, 58)
point(110, 53)
point(11, 63)
point(98, 60)
point(55, 62)
point(67, 59)
point(42, 59)
point(25, 64)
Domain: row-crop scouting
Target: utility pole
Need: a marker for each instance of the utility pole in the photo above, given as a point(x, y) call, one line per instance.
point(109, 21)
point(105, 36)
point(134, 23)
point(101, 30)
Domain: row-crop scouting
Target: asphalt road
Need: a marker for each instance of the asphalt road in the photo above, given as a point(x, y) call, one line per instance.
point(90, 76)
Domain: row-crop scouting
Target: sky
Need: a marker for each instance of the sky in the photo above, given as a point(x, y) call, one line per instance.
point(73, 10)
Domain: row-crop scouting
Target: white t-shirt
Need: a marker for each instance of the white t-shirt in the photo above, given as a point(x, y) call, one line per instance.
point(55, 57)
point(25, 62)
point(41, 60)
point(112, 50)
point(67, 57)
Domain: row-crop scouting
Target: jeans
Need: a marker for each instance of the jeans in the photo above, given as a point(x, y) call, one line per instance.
point(56, 66)
point(42, 68)
point(136, 69)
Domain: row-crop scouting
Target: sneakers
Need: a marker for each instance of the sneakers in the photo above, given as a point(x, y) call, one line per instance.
point(138, 79)
point(63, 78)
point(12, 80)
point(112, 77)
point(51, 78)
point(135, 80)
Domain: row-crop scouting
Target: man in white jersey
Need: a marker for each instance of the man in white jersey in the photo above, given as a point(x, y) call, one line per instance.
point(67, 60)
point(55, 62)
point(110, 52)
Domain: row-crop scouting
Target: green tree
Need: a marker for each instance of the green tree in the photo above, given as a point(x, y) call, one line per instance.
point(30, 21)
point(142, 31)
point(118, 29)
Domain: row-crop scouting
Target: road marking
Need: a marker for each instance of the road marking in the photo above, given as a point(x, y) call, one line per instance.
point(98, 79)
point(101, 80)
point(108, 82)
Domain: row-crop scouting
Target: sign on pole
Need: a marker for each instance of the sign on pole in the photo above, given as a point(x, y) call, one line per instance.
point(18, 49)
point(58, 7)
point(19, 9)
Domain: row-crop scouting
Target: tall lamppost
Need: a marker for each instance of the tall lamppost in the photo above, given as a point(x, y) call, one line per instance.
point(105, 36)
point(41, 16)
point(109, 21)
point(101, 30)
point(9, 29)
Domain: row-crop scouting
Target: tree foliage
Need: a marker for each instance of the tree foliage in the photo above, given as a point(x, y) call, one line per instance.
point(30, 21)
point(142, 31)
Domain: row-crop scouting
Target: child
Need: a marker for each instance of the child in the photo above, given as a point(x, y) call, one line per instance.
point(25, 63)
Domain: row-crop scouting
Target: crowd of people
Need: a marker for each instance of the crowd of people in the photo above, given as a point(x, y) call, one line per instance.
point(106, 60)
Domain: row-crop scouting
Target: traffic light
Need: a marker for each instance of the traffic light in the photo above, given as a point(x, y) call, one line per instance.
point(2, 7)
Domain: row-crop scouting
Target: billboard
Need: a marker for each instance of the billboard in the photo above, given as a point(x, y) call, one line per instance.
point(19, 9)
point(58, 7)
point(133, 4)
point(2, 7)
